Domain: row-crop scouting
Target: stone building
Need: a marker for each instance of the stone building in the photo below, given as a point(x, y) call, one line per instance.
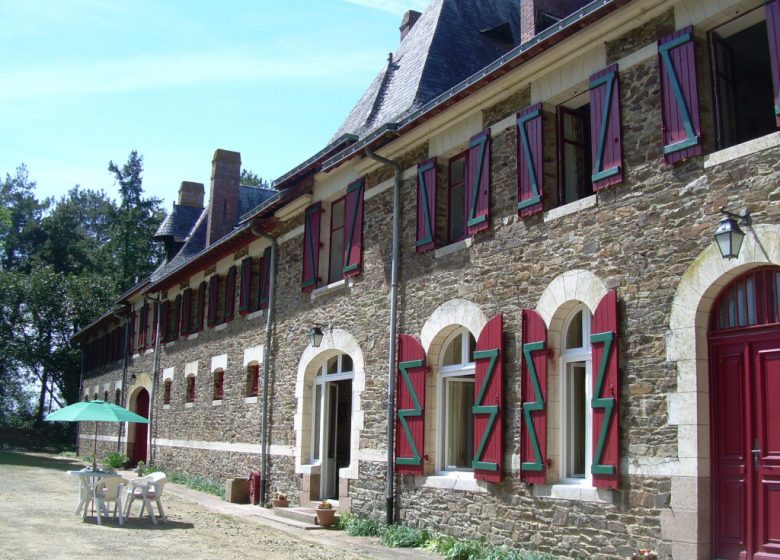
point(492, 305)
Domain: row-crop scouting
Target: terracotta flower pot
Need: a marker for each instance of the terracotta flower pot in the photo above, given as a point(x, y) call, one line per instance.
point(280, 503)
point(325, 517)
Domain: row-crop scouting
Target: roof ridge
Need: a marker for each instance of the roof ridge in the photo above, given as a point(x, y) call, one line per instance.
point(389, 72)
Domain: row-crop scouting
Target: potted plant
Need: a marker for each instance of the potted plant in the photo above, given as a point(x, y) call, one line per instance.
point(279, 500)
point(139, 468)
point(326, 515)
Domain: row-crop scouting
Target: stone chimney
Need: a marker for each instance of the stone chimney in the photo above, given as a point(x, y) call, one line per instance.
point(191, 194)
point(223, 201)
point(410, 18)
point(538, 15)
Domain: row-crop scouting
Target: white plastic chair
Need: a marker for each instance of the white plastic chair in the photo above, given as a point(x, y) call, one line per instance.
point(148, 489)
point(110, 490)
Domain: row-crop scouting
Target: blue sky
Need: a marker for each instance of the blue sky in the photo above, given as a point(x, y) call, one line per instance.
point(87, 81)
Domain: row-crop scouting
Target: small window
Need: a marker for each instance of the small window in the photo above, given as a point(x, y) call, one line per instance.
point(574, 150)
point(252, 380)
point(167, 391)
point(105, 396)
point(95, 397)
point(219, 385)
point(190, 396)
point(456, 390)
point(336, 262)
point(117, 396)
point(742, 79)
point(749, 301)
point(456, 199)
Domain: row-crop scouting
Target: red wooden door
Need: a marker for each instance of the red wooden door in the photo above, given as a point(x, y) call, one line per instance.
point(141, 431)
point(745, 387)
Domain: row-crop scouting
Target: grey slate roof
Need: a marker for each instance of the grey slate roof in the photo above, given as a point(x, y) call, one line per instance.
point(252, 197)
point(449, 42)
point(178, 223)
point(194, 243)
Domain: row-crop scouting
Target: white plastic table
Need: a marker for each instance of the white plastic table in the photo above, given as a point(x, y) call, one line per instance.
point(88, 480)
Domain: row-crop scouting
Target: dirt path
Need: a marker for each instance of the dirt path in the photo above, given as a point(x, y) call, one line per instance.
point(37, 522)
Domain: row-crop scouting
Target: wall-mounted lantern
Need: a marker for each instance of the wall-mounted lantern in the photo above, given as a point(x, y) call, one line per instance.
point(729, 236)
point(315, 335)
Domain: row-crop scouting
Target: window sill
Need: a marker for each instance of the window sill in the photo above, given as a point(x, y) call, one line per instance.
point(169, 344)
point(193, 336)
point(742, 150)
point(189, 405)
point(216, 402)
point(571, 208)
point(309, 469)
point(254, 314)
point(149, 351)
point(220, 327)
point(453, 248)
point(166, 407)
point(250, 400)
point(342, 284)
point(573, 492)
point(462, 481)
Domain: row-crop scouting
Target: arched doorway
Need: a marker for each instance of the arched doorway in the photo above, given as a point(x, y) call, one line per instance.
point(138, 434)
point(744, 352)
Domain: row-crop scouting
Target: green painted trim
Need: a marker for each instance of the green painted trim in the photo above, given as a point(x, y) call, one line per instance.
point(692, 139)
point(479, 408)
point(482, 143)
point(608, 404)
point(354, 186)
point(599, 172)
point(415, 459)
point(421, 171)
point(532, 175)
point(533, 406)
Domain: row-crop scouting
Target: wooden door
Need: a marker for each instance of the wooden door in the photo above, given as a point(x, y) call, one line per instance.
point(140, 431)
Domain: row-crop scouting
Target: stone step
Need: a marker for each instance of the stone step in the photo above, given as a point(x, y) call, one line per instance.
point(300, 514)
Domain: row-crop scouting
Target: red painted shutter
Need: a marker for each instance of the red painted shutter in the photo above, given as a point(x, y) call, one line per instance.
point(773, 33)
point(478, 183)
point(173, 334)
point(201, 308)
point(213, 301)
point(679, 96)
point(265, 279)
point(533, 395)
point(530, 160)
point(410, 404)
point(489, 402)
point(353, 219)
point(143, 326)
point(230, 294)
point(605, 133)
point(155, 316)
point(426, 205)
point(131, 341)
point(164, 321)
point(246, 286)
point(311, 248)
point(186, 303)
point(606, 393)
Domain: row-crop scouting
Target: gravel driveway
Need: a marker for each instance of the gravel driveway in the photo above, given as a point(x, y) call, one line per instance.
point(37, 522)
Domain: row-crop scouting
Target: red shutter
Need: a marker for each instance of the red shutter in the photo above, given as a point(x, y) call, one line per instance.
point(530, 160)
point(605, 133)
point(173, 334)
point(311, 248)
point(679, 96)
point(201, 308)
point(265, 279)
point(186, 306)
point(426, 205)
point(213, 300)
point(155, 316)
point(143, 326)
point(489, 402)
point(353, 219)
point(246, 286)
point(773, 33)
point(164, 321)
point(606, 393)
point(131, 341)
point(478, 182)
point(410, 404)
point(230, 295)
point(533, 395)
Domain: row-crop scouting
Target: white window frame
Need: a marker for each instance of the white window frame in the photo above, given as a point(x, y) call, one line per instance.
point(446, 376)
point(322, 377)
point(570, 356)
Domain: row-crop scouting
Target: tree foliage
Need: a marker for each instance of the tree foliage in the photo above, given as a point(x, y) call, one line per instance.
point(253, 180)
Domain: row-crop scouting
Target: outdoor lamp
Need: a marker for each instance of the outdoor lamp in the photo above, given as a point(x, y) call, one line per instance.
point(315, 335)
point(729, 236)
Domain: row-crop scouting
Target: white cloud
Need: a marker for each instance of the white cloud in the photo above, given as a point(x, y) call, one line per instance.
point(392, 6)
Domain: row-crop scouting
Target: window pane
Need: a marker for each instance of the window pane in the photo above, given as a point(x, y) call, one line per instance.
point(742, 304)
point(460, 424)
point(577, 409)
point(337, 214)
point(472, 347)
point(346, 363)
point(333, 364)
point(457, 213)
point(751, 301)
point(336, 271)
point(574, 334)
point(458, 170)
point(453, 354)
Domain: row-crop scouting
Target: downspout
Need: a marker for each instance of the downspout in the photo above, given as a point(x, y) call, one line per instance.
point(155, 365)
point(125, 363)
point(390, 491)
point(83, 367)
point(266, 365)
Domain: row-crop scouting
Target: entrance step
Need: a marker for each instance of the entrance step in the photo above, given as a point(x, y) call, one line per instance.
point(300, 514)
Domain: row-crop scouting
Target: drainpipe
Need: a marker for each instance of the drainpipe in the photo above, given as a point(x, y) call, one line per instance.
point(269, 320)
point(155, 365)
point(390, 492)
point(125, 363)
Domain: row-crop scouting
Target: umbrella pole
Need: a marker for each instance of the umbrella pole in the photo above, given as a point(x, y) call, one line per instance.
point(94, 451)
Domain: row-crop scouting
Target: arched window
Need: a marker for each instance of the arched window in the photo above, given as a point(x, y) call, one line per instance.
point(117, 396)
point(576, 388)
point(749, 301)
point(190, 395)
point(105, 395)
point(167, 391)
point(456, 401)
point(252, 380)
point(325, 394)
point(219, 384)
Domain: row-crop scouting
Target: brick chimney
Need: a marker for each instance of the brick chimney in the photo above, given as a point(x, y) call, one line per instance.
point(191, 194)
point(408, 21)
point(223, 201)
point(538, 15)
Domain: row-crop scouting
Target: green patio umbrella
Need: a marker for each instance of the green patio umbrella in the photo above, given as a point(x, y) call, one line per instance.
point(95, 411)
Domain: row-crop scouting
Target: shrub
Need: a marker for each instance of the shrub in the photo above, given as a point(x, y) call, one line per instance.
point(403, 536)
point(115, 460)
point(359, 526)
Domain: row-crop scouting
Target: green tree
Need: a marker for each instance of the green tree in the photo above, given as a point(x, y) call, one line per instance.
point(253, 180)
point(20, 231)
